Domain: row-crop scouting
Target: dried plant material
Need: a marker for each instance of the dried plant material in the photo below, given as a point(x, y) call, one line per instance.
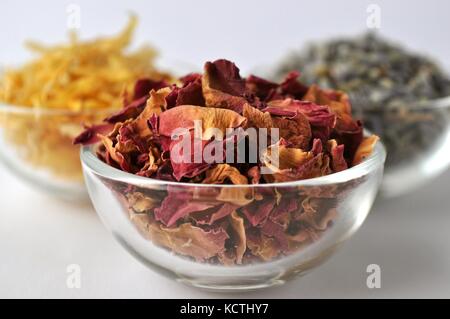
point(293, 127)
point(295, 164)
point(263, 247)
point(190, 240)
point(222, 173)
point(239, 196)
point(210, 118)
point(289, 158)
point(365, 149)
point(64, 87)
point(179, 204)
point(238, 225)
point(392, 88)
point(89, 75)
point(218, 218)
point(213, 215)
point(223, 87)
point(156, 103)
point(320, 117)
point(338, 162)
point(140, 203)
point(257, 118)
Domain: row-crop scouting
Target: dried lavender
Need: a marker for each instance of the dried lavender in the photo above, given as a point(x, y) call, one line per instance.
point(388, 86)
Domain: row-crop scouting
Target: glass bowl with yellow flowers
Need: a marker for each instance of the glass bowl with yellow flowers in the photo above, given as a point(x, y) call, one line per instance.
point(45, 103)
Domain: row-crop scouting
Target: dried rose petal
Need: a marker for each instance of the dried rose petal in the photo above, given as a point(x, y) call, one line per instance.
point(262, 88)
point(211, 118)
point(191, 93)
point(223, 87)
point(189, 78)
point(116, 156)
point(294, 128)
point(294, 164)
point(350, 134)
point(222, 173)
point(178, 204)
point(144, 86)
point(186, 164)
point(365, 149)
point(292, 87)
point(210, 216)
point(237, 224)
point(321, 119)
point(276, 231)
point(287, 157)
point(254, 175)
point(338, 162)
point(266, 248)
point(132, 110)
point(156, 103)
point(91, 134)
point(339, 102)
point(191, 241)
point(258, 211)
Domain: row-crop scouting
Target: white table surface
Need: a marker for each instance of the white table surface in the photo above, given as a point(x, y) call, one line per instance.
point(39, 237)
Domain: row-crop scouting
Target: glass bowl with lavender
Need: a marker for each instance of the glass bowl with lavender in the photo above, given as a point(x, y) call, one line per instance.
point(229, 183)
point(401, 96)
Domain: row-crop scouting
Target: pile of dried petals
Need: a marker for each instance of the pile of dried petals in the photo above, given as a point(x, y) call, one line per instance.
point(231, 225)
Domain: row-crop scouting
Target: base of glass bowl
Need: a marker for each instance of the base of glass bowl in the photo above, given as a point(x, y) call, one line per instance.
point(341, 204)
point(236, 281)
point(252, 283)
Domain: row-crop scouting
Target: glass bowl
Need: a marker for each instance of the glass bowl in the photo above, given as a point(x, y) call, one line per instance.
point(416, 137)
point(417, 140)
point(36, 145)
point(215, 245)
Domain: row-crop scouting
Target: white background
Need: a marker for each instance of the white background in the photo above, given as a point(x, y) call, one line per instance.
point(39, 236)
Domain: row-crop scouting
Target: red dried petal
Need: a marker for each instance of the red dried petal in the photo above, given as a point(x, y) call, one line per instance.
point(144, 86)
point(90, 134)
point(338, 162)
point(210, 216)
point(262, 88)
point(223, 87)
point(190, 240)
point(178, 204)
point(321, 119)
point(191, 94)
point(277, 231)
point(132, 110)
point(258, 211)
point(224, 76)
point(292, 87)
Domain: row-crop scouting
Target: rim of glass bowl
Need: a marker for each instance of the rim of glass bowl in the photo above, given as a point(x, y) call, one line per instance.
point(432, 104)
point(439, 103)
point(32, 110)
point(371, 163)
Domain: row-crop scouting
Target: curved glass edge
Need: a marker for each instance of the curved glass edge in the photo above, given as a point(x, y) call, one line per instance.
point(433, 104)
point(376, 160)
